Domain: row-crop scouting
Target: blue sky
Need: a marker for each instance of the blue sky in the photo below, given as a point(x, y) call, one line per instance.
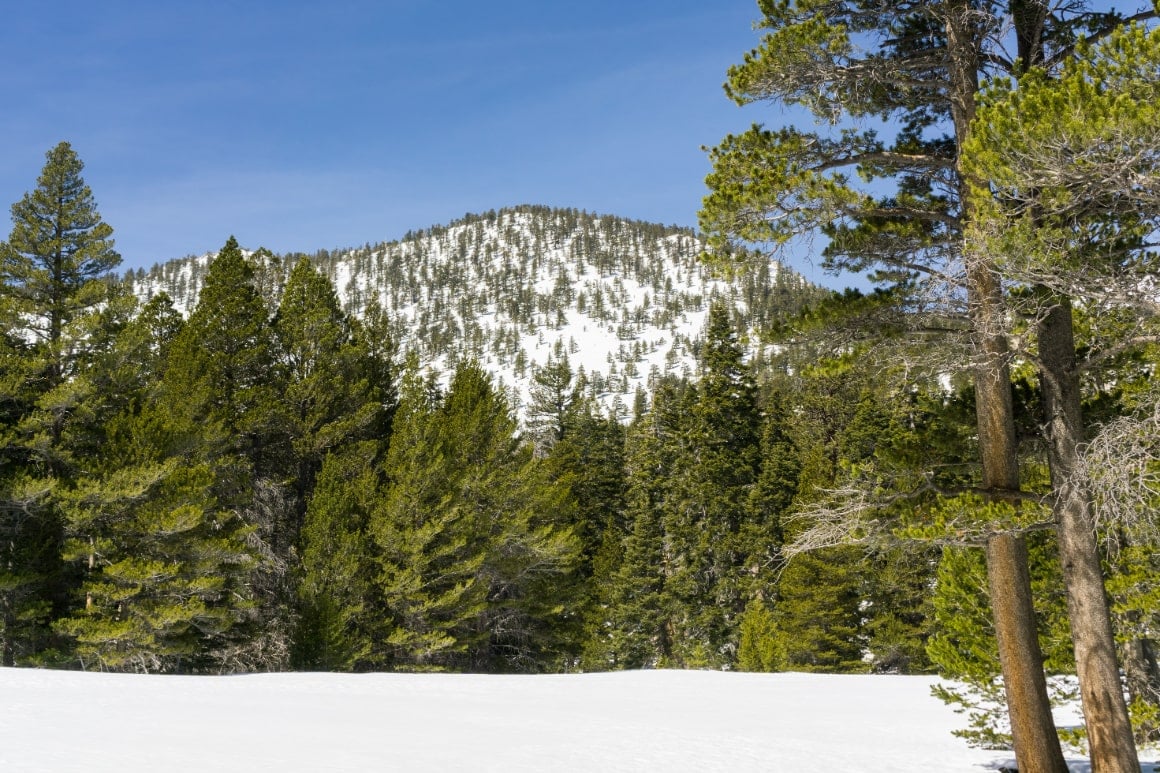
point(303, 125)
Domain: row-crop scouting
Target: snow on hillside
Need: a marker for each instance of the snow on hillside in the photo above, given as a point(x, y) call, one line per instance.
point(623, 300)
point(59, 722)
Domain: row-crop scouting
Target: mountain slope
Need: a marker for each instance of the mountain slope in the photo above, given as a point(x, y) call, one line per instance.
point(513, 289)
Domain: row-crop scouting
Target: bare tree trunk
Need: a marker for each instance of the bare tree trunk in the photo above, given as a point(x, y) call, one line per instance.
point(1036, 742)
point(7, 650)
point(1109, 731)
point(1142, 674)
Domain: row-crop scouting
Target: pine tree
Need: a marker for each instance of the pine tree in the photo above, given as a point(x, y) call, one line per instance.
point(52, 271)
point(58, 250)
point(335, 414)
point(1135, 598)
point(770, 498)
point(552, 397)
point(378, 354)
point(589, 460)
point(817, 617)
point(589, 457)
point(763, 537)
point(127, 372)
point(963, 643)
point(693, 463)
point(712, 486)
point(898, 613)
point(328, 399)
point(336, 621)
point(429, 555)
point(474, 536)
point(638, 630)
point(523, 516)
point(1050, 147)
point(26, 539)
point(816, 602)
point(221, 391)
point(758, 647)
point(162, 566)
point(896, 584)
point(222, 375)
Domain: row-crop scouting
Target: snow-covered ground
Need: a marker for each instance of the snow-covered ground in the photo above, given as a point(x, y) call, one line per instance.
point(57, 722)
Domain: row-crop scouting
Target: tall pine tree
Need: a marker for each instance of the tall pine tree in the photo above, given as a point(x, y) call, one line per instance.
point(221, 392)
point(52, 271)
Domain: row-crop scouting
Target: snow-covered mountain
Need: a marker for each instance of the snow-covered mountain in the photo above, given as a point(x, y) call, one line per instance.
point(622, 300)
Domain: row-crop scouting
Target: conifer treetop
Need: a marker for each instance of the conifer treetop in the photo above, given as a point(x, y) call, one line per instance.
point(58, 244)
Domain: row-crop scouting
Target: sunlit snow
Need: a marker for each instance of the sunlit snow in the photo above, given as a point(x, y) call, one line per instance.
point(54, 721)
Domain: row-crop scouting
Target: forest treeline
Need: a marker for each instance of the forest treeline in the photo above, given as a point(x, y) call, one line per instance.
point(258, 487)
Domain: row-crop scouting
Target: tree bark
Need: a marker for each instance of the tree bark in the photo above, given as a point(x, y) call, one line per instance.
point(7, 649)
point(1113, 750)
point(1036, 742)
point(1142, 675)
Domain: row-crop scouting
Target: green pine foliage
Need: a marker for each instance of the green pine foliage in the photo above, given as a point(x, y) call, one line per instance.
point(378, 358)
point(329, 399)
point(589, 459)
point(56, 255)
point(222, 377)
point(164, 569)
point(1134, 589)
point(428, 557)
point(709, 482)
point(26, 537)
point(963, 646)
point(552, 396)
point(763, 537)
point(512, 504)
point(222, 394)
point(336, 623)
point(759, 648)
point(53, 269)
point(473, 534)
point(816, 602)
point(712, 484)
point(29, 572)
point(817, 618)
point(635, 631)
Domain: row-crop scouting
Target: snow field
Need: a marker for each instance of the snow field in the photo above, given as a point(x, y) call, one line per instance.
point(64, 722)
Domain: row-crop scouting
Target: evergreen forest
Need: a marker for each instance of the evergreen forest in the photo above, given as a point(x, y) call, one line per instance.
point(388, 458)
